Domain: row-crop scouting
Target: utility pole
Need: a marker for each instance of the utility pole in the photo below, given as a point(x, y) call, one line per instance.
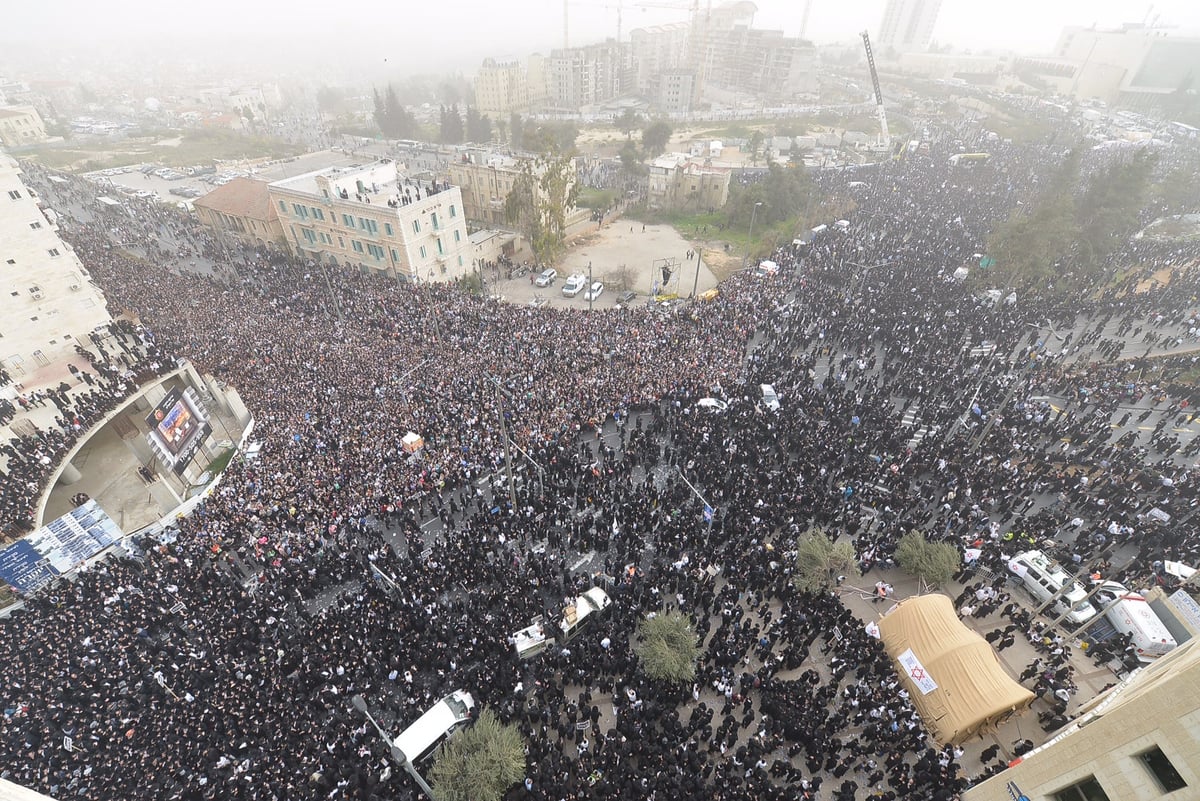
point(591, 295)
point(398, 756)
point(696, 280)
point(750, 236)
point(512, 489)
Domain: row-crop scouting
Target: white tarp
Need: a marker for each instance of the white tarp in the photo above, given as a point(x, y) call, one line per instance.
point(917, 672)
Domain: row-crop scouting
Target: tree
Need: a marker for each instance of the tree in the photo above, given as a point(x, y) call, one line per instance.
point(451, 129)
point(1107, 212)
point(631, 160)
point(755, 142)
point(627, 122)
point(393, 119)
point(655, 138)
point(543, 193)
point(479, 127)
point(820, 561)
point(480, 762)
point(668, 647)
point(934, 563)
point(1032, 246)
point(516, 126)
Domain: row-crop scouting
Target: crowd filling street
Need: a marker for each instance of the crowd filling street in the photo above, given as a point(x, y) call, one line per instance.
point(908, 399)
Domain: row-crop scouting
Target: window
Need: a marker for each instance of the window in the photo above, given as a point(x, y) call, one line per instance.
point(317, 213)
point(439, 246)
point(12, 261)
point(416, 226)
point(433, 218)
point(14, 194)
point(347, 221)
point(53, 252)
point(1087, 790)
point(387, 227)
point(457, 236)
point(15, 294)
point(358, 248)
point(283, 207)
point(422, 251)
point(35, 225)
point(395, 255)
point(453, 213)
point(33, 319)
point(1162, 770)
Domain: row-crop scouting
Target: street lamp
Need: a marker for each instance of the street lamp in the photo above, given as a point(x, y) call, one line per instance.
point(750, 236)
point(696, 280)
point(394, 751)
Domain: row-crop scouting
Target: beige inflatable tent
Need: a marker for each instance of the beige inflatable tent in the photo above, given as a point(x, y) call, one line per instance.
point(953, 676)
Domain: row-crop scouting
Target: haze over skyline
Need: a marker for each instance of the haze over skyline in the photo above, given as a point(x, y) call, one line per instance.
point(459, 33)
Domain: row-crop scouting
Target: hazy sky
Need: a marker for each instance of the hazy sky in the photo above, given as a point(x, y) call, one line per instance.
point(458, 33)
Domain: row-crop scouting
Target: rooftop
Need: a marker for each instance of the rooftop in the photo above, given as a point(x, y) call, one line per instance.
point(241, 197)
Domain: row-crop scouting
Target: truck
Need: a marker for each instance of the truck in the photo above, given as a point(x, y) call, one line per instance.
point(578, 616)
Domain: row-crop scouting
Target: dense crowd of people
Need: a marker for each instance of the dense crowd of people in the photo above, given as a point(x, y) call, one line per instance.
point(161, 677)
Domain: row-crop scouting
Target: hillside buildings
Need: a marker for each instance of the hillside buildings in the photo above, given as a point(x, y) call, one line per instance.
point(47, 298)
point(717, 56)
point(375, 219)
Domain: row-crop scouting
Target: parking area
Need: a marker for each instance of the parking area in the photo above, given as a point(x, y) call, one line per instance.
point(622, 255)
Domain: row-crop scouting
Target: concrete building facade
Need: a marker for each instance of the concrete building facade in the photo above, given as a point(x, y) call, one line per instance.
point(676, 182)
point(585, 76)
point(241, 213)
point(21, 126)
point(47, 298)
point(656, 50)
point(373, 218)
point(502, 88)
point(1138, 740)
point(486, 180)
point(731, 58)
point(907, 26)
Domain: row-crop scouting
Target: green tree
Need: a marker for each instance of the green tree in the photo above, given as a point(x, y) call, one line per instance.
point(655, 138)
point(755, 143)
point(627, 122)
point(480, 762)
point(516, 127)
point(479, 127)
point(451, 129)
point(631, 160)
point(1033, 245)
point(1108, 210)
point(820, 561)
point(544, 192)
point(934, 563)
point(668, 647)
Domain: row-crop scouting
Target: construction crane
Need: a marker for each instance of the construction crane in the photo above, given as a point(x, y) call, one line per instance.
point(885, 138)
point(804, 18)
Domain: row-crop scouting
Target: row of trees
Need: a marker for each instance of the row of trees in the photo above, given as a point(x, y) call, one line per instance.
point(1074, 224)
point(822, 563)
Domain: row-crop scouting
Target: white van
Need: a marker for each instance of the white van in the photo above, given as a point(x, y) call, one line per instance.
point(769, 398)
point(1044, 578)
point(439, 722)
point(1132, 615)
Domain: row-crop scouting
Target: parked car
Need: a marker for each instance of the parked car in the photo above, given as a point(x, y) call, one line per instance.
point(626, 298)
point(770, 399)
point(716, 404)
point(594, 291)
point(547, 277)
point(574, 285)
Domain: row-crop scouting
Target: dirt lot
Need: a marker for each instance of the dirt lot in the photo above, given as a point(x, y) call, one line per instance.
point(622, 254)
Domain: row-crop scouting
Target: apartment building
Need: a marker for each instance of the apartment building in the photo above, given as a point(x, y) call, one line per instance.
point(732, 59)
point(21, 126)
point(907, 26)
point(676, 182)
point(585, 76)
point(374, 218)
point(485, 180)
point(47, 298)
point(656, 50)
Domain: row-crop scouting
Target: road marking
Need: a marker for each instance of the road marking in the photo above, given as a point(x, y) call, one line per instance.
point(587, 557)
point(430, 520)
